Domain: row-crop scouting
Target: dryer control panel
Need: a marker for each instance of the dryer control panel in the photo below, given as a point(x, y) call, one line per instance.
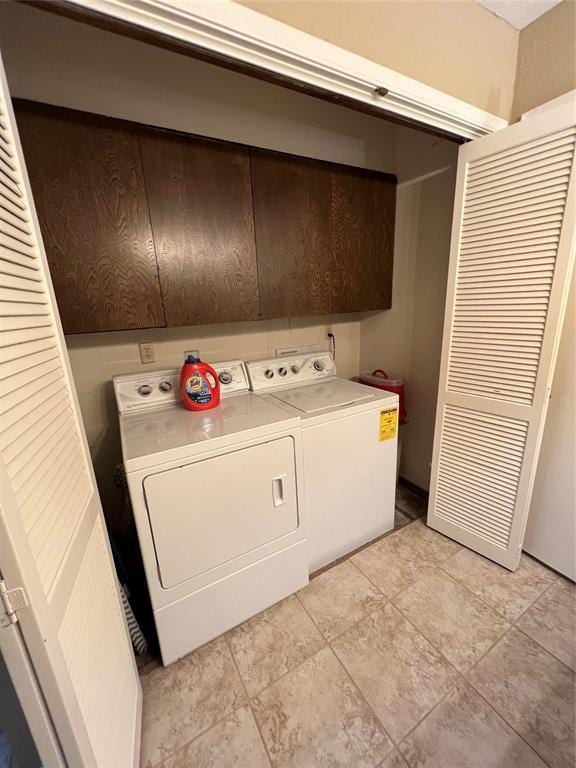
point(138, 391)
point(280, 371)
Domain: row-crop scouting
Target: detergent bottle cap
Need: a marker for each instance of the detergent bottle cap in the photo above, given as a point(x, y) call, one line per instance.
point(192, 359)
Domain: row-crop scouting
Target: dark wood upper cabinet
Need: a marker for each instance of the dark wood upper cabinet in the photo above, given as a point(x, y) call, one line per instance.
point(200, 200)
point(293, 243)
point(363, 209)
point(88, 186)
point(145, 227)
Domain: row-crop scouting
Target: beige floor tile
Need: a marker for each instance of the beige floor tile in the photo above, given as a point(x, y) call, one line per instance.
point(551, 621)
point(186, 698)
point(427, 544)
point(509, 593)
point(234, 742)
point(274, 642)
point(465, 732)
point(391, 564)
point(395, 760)
point(401, 675)
point(534, 692)
point(315, 716)
point(460, 626)
point(340, 597)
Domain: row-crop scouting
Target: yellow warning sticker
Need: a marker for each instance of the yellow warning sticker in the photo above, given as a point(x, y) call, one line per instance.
point(388, 423)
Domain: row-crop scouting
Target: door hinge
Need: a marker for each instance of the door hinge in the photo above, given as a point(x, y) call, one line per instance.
point(11, 601)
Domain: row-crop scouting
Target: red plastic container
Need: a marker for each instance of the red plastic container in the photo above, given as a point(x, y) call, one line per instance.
point(381, 380)
point(199, 385)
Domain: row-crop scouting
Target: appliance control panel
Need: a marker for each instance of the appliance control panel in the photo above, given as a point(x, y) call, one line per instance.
point(139, 391)
point(280, 371)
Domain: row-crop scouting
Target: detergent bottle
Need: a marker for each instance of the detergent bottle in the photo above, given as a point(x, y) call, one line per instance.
point(199, 385)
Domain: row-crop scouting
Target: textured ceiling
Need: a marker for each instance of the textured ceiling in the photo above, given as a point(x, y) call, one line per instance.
point(519, 13)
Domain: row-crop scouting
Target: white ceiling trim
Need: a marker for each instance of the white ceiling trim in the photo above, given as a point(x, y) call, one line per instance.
point(518, 13)
point(230, 29)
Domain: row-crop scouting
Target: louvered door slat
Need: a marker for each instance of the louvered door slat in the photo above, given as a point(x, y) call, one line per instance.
point(52, 538)
point(15, 434)
point(36, 466)
point(549, 227)
point(24, 363)
point(12, 353)
point(533, 175)
point(14, 221)
point(525, 151)
point(13, 207)
point(40, 445)
point(526, 222)
point(535, 200)
point(552, 153)
point(511, 257)
point(23, 282)
point(15, 441)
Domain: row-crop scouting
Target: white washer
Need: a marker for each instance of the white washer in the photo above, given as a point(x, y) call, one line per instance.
point(349, 435)
point(218, 504)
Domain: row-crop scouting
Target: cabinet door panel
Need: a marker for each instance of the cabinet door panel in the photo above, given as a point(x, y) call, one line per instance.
point(201, 209)
point(292, 220)
point(87, 180)
point(363, 209)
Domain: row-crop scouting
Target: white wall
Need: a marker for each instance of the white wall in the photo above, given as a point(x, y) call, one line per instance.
point(453, 45)
point(61, 62)
point(407, 340)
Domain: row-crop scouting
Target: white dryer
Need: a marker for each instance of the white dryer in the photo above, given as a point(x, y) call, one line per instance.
point(217, 499)
point(349, 435)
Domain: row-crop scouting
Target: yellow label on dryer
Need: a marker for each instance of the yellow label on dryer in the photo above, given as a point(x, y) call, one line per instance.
point(388, 423)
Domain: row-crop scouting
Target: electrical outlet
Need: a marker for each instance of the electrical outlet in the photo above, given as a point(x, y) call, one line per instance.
point(146, 353)
point(193, 352)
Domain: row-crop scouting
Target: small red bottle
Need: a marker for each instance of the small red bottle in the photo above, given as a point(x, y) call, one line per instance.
point(199, 385)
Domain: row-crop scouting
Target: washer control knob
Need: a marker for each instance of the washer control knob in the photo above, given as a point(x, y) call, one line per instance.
point(282, 371)
point(225, 377)
point(165, 386)
point(269, 373)
point(144, 390)
point(319, 365)
point(295, 369)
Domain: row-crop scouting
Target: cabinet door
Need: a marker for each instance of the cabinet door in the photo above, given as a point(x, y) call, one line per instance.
point(363, 208)
point(200, 200)
point(86, 176)
point(292, 220)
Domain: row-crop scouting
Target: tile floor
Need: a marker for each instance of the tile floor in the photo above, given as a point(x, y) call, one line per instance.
point(413, 652)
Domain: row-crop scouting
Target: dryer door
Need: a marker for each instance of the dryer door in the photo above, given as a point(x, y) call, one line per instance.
point(209, 512)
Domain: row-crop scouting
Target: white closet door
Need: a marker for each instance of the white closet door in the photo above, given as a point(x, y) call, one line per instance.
point(53, 542)
point(512, 252)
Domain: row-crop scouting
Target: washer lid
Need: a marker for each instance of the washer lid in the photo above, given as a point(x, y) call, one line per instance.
point(330, 393)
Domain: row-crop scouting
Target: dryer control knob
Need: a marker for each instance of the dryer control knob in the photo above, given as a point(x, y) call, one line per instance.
point(282, 371)
point(144, 390)
point(295, 369)
point(269, 373)
point(225, 377)
point(165, 386)
point(319, 365)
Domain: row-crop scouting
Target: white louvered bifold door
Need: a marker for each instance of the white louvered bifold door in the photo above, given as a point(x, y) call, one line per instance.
point(511, 257)
point(53, 540)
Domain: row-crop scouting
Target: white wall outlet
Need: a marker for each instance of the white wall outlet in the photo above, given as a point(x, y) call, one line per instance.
point(147, 353)
point(193, 352)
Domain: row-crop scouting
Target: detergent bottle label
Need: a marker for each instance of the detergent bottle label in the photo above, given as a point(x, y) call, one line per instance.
point(197, 389)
